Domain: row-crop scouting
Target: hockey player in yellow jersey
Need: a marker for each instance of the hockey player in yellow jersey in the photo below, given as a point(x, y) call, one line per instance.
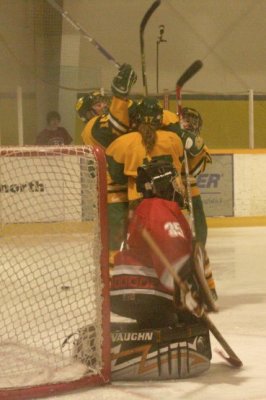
point(149, 142)
point(101, 130)
point(106, 120)
point(198, 158)
point(188, 126)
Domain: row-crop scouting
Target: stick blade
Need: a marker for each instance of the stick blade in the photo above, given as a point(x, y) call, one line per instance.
point(233, 361)
point(143, 24)
point(189, 73)
point(148, 14)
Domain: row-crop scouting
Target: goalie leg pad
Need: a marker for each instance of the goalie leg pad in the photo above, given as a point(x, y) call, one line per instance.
point(176, 352)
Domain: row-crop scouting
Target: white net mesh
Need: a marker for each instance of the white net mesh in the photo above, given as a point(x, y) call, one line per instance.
point(50, 251)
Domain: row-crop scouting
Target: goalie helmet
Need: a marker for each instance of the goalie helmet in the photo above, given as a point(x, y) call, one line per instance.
point(191, 120)
point(149, 111)
point(85, 105)
point(159, 179)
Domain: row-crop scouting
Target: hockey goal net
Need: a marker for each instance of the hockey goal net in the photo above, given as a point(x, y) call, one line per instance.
point(54, 270)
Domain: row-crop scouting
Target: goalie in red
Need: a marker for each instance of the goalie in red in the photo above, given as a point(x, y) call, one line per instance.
point(143, 290)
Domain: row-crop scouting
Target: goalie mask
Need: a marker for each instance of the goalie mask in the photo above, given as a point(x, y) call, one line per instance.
point(159, 179)
point(149, 111)
point(90, 105)
point(191, 120)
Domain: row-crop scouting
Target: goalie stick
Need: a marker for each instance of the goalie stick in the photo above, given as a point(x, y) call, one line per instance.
point(78, 28)
point(143, 24)
point(232, 358)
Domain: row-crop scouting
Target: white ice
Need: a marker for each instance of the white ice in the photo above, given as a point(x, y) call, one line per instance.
point(238, 259)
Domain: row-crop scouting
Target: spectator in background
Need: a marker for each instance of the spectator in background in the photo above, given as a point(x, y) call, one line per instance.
point(53, 134)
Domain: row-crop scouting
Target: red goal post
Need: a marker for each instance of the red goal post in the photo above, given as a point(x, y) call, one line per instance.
point(54, 299)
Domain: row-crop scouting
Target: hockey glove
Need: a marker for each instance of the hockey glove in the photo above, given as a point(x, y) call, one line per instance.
point(123, 81)
point(192, 144)
point(189, 298)
point(192, 304)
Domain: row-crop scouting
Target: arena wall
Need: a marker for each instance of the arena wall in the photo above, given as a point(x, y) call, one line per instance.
point(240, 182)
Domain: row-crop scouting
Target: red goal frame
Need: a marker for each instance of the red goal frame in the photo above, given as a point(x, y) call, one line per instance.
point(104, 376)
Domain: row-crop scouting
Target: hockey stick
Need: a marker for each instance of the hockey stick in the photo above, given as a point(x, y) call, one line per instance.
point(197, 248)
point(143, 24)
point(76, 26)
point(184, 78)
point(189, 197)
point(232, 358)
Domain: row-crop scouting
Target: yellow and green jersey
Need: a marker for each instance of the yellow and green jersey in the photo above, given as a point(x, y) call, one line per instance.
point(197, 165)
point(103, 130)
point(128, 152)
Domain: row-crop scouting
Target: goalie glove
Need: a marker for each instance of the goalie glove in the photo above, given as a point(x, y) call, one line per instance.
point(189, 296)
point(123, 81)
point(192, 304)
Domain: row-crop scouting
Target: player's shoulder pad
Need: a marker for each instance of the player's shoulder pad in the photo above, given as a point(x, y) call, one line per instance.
point(169, 117)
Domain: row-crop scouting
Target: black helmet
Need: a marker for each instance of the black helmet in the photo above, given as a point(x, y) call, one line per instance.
point(155, 179)
point(85, 104)
point(149, 111)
